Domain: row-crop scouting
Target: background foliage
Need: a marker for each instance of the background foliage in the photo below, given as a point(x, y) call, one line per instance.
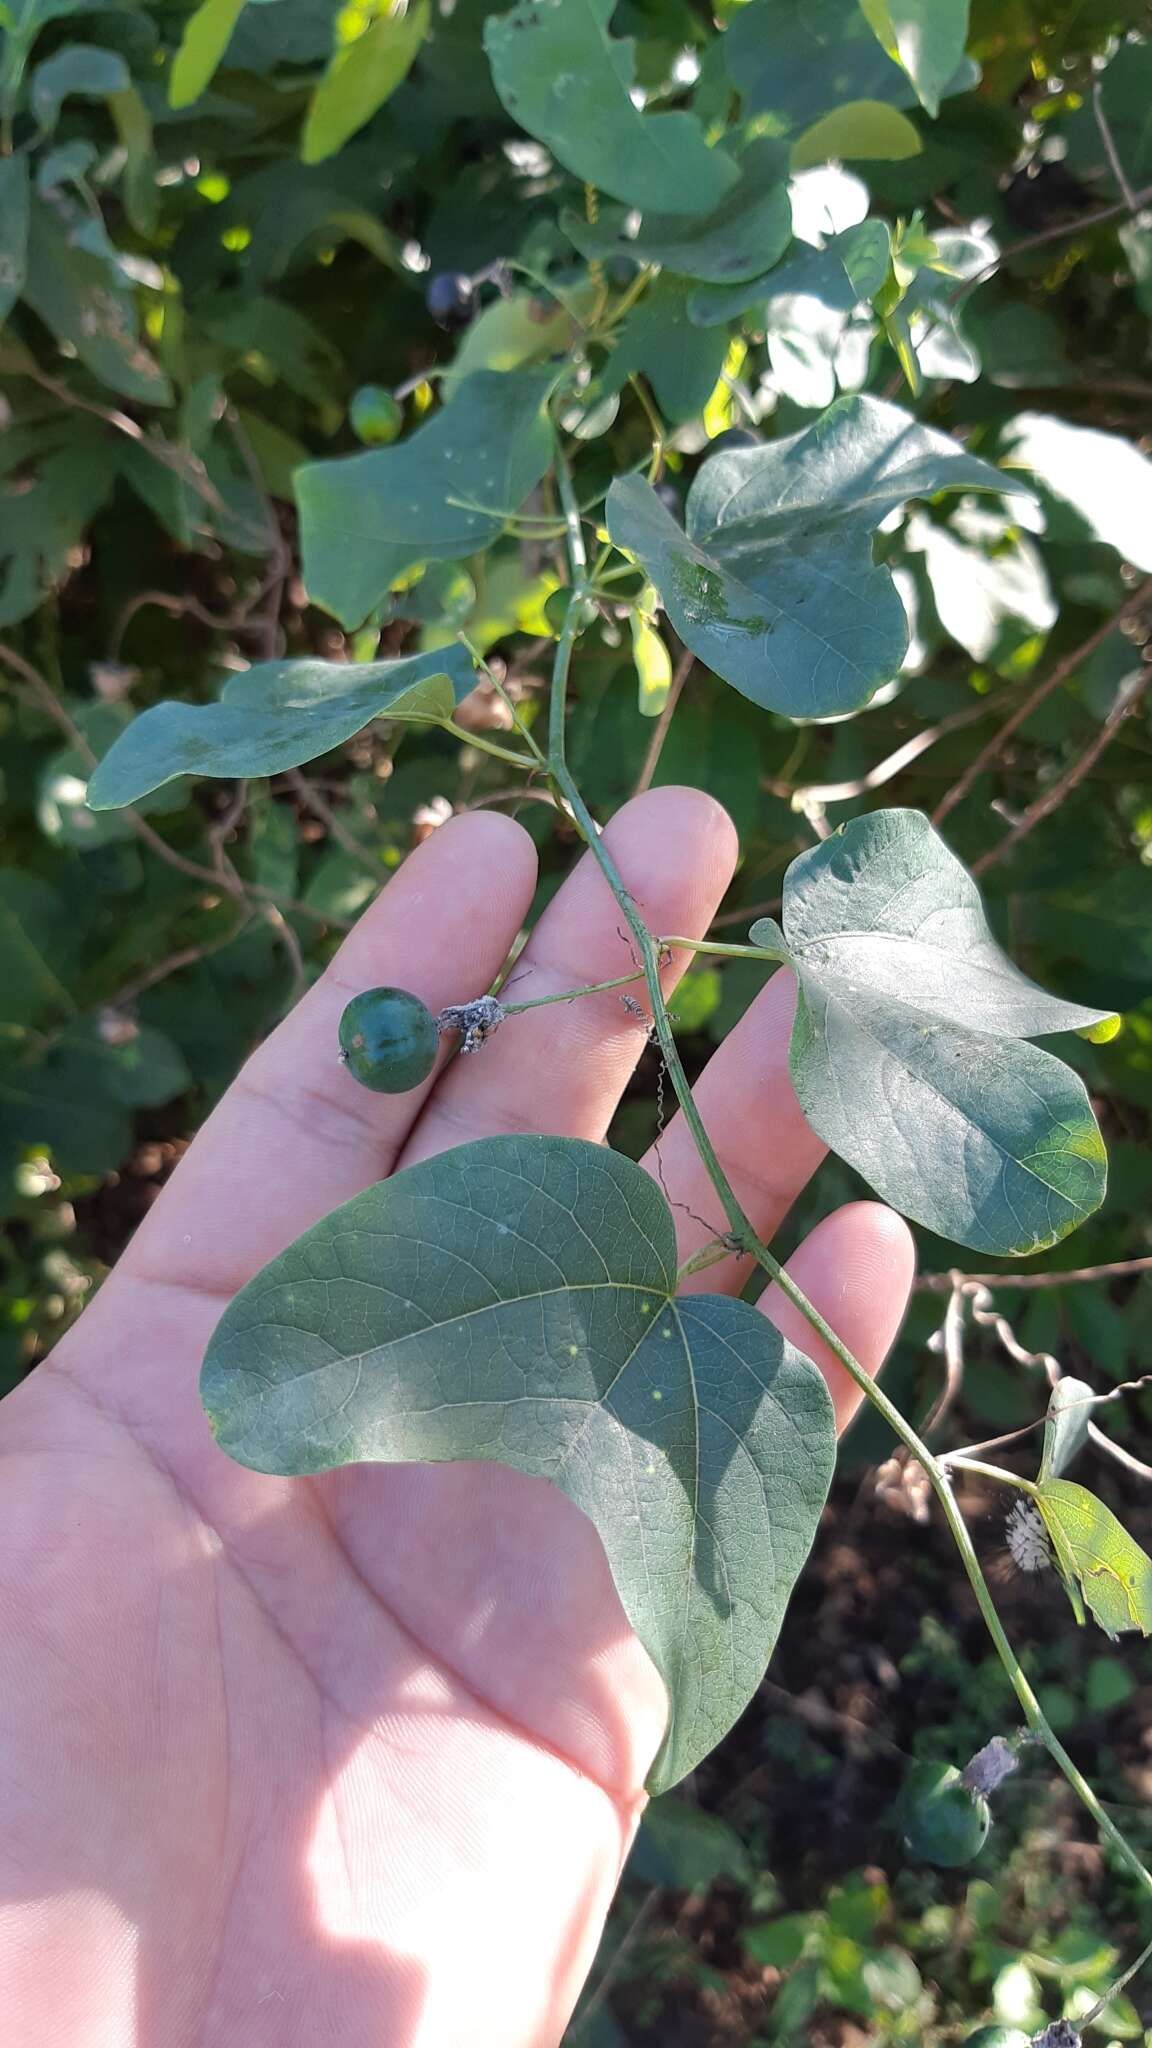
point(215, 230)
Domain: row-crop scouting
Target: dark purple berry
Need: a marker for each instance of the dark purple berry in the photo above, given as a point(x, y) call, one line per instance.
point(450, 298)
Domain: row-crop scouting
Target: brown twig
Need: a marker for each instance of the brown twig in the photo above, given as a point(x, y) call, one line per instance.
point(1130, 198)
point(1115, 1269)
point(651, 761)
point(1133, 603)
point(334, 825)
point(1064, 784)
point(891, 766)
point(185, 956)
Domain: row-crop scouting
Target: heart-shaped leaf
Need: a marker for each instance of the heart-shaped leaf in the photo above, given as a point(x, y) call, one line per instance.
point(569, 83)
point(906, 1052)
point(774, 585)
point(513, 1300)
point(442, 495)
point(1096, 1553)
point(273, 717)
point(749, 229)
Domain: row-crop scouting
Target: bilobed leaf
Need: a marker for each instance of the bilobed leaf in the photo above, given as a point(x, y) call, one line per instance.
point(927, 38)
point(906, 1052)
point(1102, 485)
point(1095, 1551)
point(366, 518)
point(859, 129)
point(361, 76)
point(79, 68)
point(1066, 1426)
point(207, 34)
point(13, 230)
point(77, 296)
point(568, 82)
point(744, 236)
point(274, 716)
point(774, 585)
point(681, 362)
point(514, 1300)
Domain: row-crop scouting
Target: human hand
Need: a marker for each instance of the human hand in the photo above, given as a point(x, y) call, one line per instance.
point(357, 1759)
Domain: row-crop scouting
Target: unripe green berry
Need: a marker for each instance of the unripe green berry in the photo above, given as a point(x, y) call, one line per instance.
point(388, 1040)
point(943, 1822)
point(375, 417)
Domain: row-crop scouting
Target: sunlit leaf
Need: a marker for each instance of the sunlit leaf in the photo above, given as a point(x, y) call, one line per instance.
point(207, 34)
point(273, 717)
point(906, 1052)
point(926, 37)
point(773, 584)
point(860, 129)
point(1066, 1426)
point(1095, 1551)
point(568, 82)
point(1101, 484)
point(361, 76)
point(513, 1300)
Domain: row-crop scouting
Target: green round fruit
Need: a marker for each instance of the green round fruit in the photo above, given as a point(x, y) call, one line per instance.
point(375, 416)
point(943, 1822)
point(388, 1040)
point(997, 2037)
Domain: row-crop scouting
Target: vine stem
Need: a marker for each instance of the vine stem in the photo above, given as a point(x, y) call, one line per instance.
point(648, 951)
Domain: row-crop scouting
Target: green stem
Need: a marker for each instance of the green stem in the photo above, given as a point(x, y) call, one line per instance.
point(508, 755)
point(648, 950)
point(957, 1462)
point(569, 995)
point(731, 952)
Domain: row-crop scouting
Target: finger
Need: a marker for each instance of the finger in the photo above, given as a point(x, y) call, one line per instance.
point(562, 1069)
point(757, 1130)
point(857, 1268)
point(296, 1135)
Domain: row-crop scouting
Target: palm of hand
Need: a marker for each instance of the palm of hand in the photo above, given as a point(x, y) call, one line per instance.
point(357, 1758)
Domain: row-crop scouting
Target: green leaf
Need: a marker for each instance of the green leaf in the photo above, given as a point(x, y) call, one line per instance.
point(682, 1846)
point(367, 518)
point(207, 34)
point(861, 129)
point(927, 38)
point(743, 237)
point(80, 69)
point(681, 362)
point(653, 665)
point(90, 309)
point(43, 519)
point(568, 82)
point(521, 328)
point(906, 1054)
point(76, 1097)
point(1065, 1427)
point(847, 271)
point(1095, 1551)
point(1100, 480)
point(37, 948)
point(13, 230)
point(273, 717)
point(797, 59)
point(774, 585)
point(513, 1299)
point(361, 76)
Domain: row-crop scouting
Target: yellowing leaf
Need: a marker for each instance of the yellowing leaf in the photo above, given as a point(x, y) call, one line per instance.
point(360, 77)
point(1095, 1551)
point(862, 128)
point(207, 34)
point(653, 667)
